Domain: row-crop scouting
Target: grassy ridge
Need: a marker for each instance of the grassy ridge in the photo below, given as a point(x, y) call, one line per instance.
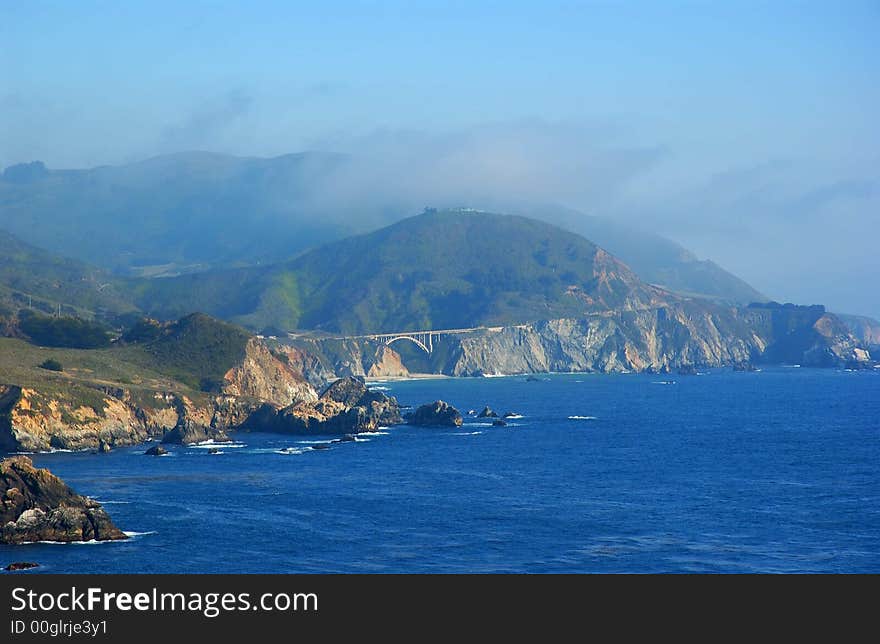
point(437, 270)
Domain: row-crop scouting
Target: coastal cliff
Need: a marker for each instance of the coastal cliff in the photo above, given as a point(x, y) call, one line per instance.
point(112, 398)
point(679, 335)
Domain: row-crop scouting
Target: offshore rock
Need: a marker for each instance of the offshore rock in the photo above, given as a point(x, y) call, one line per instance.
point(487, 412)
point(156, 450)
point(35, 505)
point(347, 406)
point(21, 565)
point(436, 414)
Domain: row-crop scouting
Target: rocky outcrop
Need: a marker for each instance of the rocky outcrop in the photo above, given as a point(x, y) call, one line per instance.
point(21, 565)
point(324, 360)
point(436, 414)
point(387, 362)
point(347, 406)
point(35, 505)
point(85, 416)
point(156, 450)
point(268, 377)
point(487, 412)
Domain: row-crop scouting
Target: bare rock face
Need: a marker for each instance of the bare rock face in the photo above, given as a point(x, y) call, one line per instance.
point(268, 377)
point(436, 414)
point(387, 362)
point(35, 505)
point(347, 406)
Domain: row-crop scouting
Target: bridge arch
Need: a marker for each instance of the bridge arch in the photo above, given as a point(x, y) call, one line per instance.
point(416, 341)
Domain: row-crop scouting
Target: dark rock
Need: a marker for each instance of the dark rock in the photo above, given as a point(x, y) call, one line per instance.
point(533, 379)
point(321, 446)
point(21, 565)
point(333, 413)
point(187, 432)
point(348, 391)
point(744, 366)
point(348, 438)
point(214, 450)
point(436, 414)
point(499, 423)
point(35, 505)
point(104, 447)
point(156, 450)
point(508, 414)
point(687, 370)
point(487, 413)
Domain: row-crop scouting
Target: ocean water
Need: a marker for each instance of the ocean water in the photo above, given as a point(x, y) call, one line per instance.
point(775, 471)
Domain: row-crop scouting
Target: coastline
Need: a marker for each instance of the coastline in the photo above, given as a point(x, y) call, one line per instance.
point(412, 376)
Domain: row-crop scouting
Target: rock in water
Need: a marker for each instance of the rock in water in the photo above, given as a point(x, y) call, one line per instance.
point(436, 414)
point(345, 407)
point(35, 505)
point(499, 423)
point(156, 450)
point(21, 565)
point(347, 391)
point(487, 413)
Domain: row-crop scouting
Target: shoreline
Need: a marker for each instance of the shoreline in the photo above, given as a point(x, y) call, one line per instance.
point(412, 376)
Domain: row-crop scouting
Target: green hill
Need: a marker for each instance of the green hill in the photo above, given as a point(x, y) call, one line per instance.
point(195, 211)
point(38, 279)
point(448, 269)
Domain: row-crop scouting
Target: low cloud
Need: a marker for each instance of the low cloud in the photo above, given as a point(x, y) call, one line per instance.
point(207, 122)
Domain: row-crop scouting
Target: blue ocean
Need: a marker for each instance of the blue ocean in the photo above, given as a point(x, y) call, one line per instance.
point(775, 471)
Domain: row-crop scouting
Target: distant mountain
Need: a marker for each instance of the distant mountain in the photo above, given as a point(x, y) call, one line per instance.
point(654, 258)
point(450, 269)
point(195, 211)
point(173, 213)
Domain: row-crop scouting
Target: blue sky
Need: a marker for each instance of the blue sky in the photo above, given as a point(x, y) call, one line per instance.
point(745, 130)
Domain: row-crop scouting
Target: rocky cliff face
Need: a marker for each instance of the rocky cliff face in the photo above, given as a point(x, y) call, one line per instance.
point(81, 417)
point(345, 407)
point(325, 360)
point(267, 377)
point(866, 330)
point(677, 335)
point(35, 505)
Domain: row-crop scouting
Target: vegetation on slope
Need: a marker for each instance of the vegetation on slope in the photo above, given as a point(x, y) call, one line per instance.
point(448, 269)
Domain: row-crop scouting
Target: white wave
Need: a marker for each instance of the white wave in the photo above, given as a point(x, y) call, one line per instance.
point(312, 442)
point(583, 418)
point(374, 433)
point(90, 542)
point(495, 375)
point(374, 388)
point(212, 445)
point(662, 382)
point(112, 502)
point(515, 416)
point(217, 453)
point(132, 533)
point(288, 451)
